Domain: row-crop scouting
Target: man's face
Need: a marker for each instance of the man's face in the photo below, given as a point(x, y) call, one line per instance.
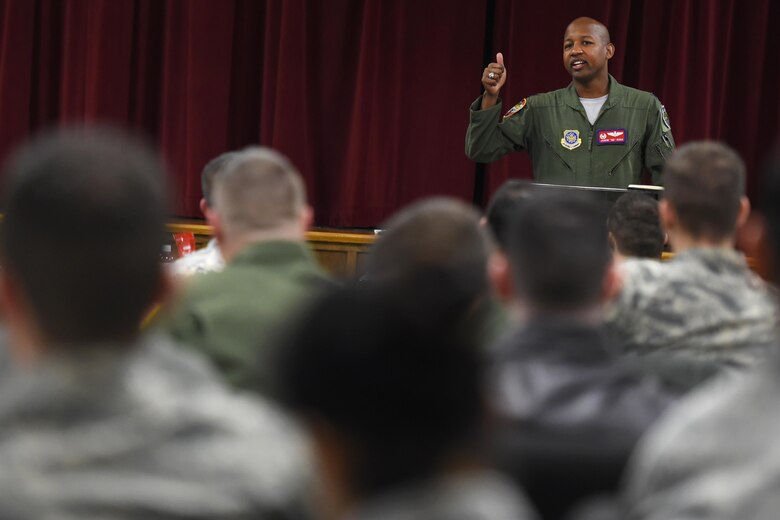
point(585, 53)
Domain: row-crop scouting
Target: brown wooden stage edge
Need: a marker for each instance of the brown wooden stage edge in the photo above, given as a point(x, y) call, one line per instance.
point(342, 253)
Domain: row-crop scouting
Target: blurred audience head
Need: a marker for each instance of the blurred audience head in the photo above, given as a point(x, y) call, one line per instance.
point(635, 228)
point(213, 168)
point(84, 215)
point(704, 187)
point(559, 254)
point(502, 207)
point(436, 239)
point(259, 196)
point(389, 396)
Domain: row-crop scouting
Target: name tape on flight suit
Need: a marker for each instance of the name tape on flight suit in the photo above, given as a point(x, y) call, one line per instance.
point(611, 136)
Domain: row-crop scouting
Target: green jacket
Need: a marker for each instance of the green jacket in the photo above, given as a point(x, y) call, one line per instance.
point(233, 316)
point(632, 131)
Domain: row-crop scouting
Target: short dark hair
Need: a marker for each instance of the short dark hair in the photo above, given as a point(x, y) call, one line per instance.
point(404, 393)
point(84, 216)
point(441, 236)
point(636, 226)
point(704, 182)
point(213, 168)
point(559, 252)
point(503, 205)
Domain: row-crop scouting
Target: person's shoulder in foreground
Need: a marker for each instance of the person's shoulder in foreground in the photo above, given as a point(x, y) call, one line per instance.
point(100, 420)
point(712, 456)
point(153, 434)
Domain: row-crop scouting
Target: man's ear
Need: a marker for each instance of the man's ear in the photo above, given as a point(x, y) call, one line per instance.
point(611, 242)
point(26, 341)
point(215, 220)
point(211, 214)
point(307, 218)
point(204, 206)
point(667, 215)
point(744, 211)
point(9, 299)
point(753, 240)
point(612, 282)
point(500, 276)
point(610, 50)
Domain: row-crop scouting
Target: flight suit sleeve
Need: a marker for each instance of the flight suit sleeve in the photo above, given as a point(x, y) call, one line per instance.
point(659, 143)
point(488, 139)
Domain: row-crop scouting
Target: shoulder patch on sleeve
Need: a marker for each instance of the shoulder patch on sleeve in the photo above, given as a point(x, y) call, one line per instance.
point(515, 109)
point(665, 119)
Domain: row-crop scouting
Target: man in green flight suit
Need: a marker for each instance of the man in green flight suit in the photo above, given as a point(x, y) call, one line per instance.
point(595, 132)
point(234, 316)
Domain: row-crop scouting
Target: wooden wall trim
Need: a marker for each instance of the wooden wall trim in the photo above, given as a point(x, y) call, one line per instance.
point(316, 235)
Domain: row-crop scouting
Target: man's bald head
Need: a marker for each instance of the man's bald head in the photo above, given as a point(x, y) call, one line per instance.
point(587, 24)
point(586, 53)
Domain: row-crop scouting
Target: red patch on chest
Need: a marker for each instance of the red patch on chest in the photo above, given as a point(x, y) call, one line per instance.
point(611, 136)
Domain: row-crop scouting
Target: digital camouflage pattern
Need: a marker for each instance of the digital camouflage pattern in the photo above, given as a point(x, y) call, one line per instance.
point(142, 431)
point(706, 303)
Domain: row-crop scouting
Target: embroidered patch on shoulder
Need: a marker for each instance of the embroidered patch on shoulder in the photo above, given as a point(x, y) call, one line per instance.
point(665, 118)
point(611, 136)
point(515, 109)
point(571, 139)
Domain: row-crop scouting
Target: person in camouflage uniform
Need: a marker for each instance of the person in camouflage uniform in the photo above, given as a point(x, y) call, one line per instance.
point(705, 303)
point(100, 420)
point(715, 457)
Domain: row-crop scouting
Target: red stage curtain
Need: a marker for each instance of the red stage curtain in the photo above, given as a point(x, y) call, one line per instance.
point(369, 98)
